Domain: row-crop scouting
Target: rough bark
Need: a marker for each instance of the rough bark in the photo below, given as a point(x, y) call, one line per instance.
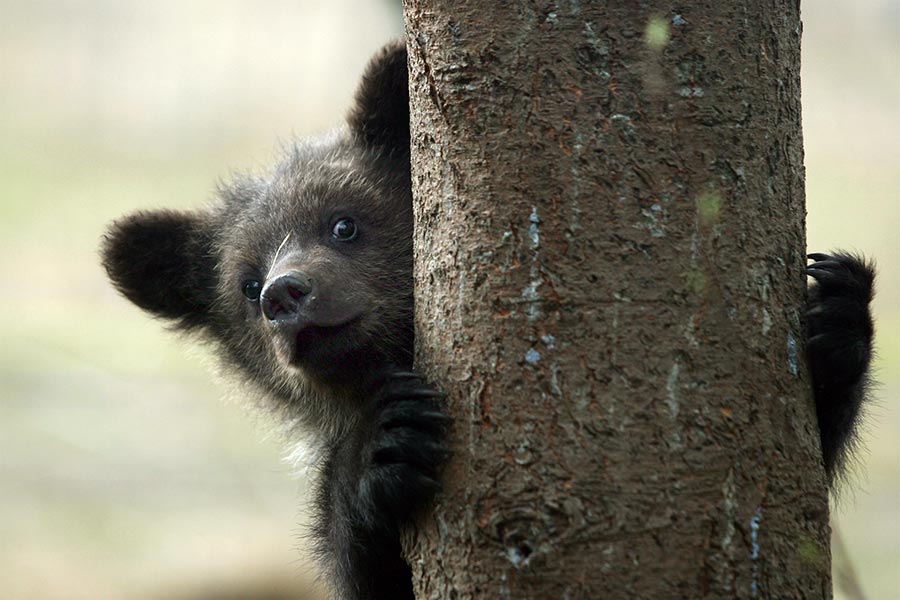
point(609, 274)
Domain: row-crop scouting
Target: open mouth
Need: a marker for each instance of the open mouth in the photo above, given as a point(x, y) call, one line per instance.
point(324, 342)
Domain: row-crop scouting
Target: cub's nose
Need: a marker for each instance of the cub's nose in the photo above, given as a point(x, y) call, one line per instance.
point(283, 296)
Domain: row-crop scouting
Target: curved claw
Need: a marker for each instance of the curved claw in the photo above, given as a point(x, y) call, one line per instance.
point(816, 311)
point(826, 264)
point(404, 375)
point(425, 393)
point(812, 271)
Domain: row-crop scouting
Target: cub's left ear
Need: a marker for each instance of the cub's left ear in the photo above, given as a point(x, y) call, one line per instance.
point(163, 261)
point(380, 114)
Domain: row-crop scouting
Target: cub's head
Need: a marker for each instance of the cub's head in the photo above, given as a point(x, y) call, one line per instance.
point(301, 277)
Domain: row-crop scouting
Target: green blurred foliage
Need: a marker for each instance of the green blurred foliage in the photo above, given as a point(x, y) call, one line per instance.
point(123, 474)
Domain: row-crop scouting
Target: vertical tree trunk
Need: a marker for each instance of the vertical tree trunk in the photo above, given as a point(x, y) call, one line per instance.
point(609, 275)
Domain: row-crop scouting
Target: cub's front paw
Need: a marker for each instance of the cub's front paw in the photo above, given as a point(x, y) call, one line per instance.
point(838, 323)
point(406, 451)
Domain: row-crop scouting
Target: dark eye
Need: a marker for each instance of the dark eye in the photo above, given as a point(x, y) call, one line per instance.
point(252, 289)
point(344, 230)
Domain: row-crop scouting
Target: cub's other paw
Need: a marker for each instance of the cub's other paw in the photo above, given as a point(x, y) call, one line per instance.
point(407, 449)
point(838, 322)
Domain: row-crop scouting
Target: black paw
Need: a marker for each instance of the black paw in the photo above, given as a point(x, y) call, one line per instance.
point(406, 451)
point(838, 323)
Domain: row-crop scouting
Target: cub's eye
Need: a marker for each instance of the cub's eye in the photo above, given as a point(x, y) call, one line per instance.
point(252, 289)
point(344, 230)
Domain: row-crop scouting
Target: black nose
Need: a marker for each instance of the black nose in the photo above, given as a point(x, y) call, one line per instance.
point(283, 296)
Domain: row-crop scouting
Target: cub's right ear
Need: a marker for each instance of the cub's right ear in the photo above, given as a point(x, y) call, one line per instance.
point(163, 261)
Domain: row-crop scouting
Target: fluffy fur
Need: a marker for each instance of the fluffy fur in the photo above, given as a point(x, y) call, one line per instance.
point(338, 359)
point(302, 278)
point(839, 332)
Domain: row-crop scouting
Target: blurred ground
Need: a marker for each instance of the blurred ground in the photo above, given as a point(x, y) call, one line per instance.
point(123, 473)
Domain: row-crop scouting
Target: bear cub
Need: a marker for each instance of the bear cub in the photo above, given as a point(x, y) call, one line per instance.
point(302, 280)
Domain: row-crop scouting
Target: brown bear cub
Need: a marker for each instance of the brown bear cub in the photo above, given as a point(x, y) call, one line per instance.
point(302, 280)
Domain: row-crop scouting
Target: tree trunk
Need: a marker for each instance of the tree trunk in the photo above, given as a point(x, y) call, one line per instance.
point(609, 276)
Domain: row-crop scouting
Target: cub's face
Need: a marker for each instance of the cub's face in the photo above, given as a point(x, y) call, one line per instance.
point(315, 264)
point(301, 277)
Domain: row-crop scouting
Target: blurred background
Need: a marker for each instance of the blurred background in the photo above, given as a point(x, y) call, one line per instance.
point(126, 470)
